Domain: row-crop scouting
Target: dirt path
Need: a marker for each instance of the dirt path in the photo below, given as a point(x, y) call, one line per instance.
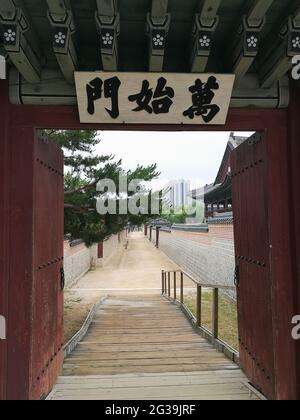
point(139, 268)
point(135, 269)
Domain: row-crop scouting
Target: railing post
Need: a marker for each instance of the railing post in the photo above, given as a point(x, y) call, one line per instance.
point(215, 314)
point(169, 284)
point(199, 305)
point(175, 286)
point(181, 288)
point(163, 282)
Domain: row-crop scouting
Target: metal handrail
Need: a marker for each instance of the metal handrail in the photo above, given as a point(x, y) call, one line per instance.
point(213, 336)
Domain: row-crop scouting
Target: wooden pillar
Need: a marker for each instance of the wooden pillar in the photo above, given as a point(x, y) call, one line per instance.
point(16, 268)
point(16, 227)
point(283, 258)
point(294, 202)
point(31, 258)
point(100, 250)
point(21, 262)
point(157, 237)
point(199, 305)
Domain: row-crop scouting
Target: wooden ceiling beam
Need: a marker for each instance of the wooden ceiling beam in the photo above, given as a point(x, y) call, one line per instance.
point(205, 24)
point(19, 39)
point(286, 45)
point(108, 24)
point(158, 24)
point(209, 10)
point(247, 43)
point(61, 19)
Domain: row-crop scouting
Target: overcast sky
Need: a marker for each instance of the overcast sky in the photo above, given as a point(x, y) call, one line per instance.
point(194, 156)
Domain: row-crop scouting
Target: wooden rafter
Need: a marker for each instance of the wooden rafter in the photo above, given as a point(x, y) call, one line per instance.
point(61, 19)
point(108, 24)
point(279, 61)
point(158, 23)
point(247, 43)
point(206, 23)
point(19, 39)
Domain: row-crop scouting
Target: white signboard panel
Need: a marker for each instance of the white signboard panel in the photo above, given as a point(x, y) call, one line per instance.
point(153, 98)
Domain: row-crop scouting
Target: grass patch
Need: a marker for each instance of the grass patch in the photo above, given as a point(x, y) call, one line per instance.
point(228, 323)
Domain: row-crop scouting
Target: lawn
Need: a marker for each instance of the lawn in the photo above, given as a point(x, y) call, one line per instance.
point(228, 325)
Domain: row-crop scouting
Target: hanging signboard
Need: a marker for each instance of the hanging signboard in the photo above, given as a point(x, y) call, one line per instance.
point(153, 98)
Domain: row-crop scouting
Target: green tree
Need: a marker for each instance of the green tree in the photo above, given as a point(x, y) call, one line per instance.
point(179, 215)
point(83, 170)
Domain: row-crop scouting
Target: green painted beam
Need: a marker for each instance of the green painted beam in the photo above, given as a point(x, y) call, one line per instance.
point(108, 25)
point(209, 10)
point(19, 40)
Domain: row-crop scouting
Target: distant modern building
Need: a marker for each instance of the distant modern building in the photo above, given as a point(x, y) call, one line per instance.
point(218, 195)
point(176, 194)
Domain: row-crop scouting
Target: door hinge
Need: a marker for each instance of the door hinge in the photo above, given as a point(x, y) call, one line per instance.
point(255, 138)
point(237, 276)
point(62, 278)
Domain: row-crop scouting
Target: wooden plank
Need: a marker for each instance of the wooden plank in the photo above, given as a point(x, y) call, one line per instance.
point(76, 356)
point(220, 374)
point(86, 371)
point(135, 351)
point(168, 392)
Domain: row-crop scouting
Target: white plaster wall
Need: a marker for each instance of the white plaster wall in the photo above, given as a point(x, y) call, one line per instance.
point(80, 259)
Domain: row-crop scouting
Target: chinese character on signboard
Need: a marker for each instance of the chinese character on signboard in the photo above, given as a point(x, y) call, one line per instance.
point(153, 99)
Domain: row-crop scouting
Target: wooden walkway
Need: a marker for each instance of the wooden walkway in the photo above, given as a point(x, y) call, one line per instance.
point(142, 347)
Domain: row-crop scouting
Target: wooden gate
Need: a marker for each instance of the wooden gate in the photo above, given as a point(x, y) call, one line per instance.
point(47, 326)
point(32, 351)
point(248, 166)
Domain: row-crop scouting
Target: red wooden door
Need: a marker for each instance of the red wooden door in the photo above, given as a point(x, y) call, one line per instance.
point(31, 258)
point(251, 225)
point(47, 326)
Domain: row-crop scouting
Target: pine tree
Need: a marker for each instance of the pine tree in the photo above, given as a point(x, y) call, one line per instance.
point(83, 170)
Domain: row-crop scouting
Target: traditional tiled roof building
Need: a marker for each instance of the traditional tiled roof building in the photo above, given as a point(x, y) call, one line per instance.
point(218, 195)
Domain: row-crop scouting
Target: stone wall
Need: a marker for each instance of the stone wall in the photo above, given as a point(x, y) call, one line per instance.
point(79, 259)
point(111, 245)
point(207, 257)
